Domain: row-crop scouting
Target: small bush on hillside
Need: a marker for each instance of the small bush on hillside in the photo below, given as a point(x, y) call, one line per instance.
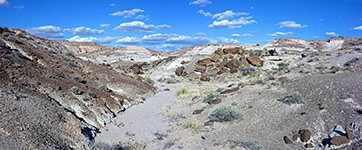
point(295, 98)
point(171, 81)
point(253, 145)
point(193, 124)
point(210, 97)
point(346, 96)
point(91, 94)
point(104, 88)
point(76, 90)
point(246, 71)
point(79, 79)
point(182, 91)
point(224, 114)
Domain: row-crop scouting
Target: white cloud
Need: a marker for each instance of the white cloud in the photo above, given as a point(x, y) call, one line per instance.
point(163, 26)
point(188, 40)
point(129, 41)
point(247, 35)
point(46, 31)
point(357, 28)
point(291, 24)
point(201, 34)
point(112, 5)
point(276, 34)
point(105, 40)
point(330, 34)
point(141, 17)
point(156, 38)
point(138, 26)
point(19, 7)
point(104, 25)
point(228, 14)
point(206, 14)
point(166, 48)
point(236, 23)
point(202, 3)
point(235, 35)
point(224, 40)
point(4, 3)
point(85, 31)
point(127, 13)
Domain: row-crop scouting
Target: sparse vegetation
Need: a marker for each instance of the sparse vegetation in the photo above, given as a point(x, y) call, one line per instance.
point(91, 94)
point(224, 114)
point(49, 76)
point(210, 97)
point(253, 145)
point(104, 88)
point(193, 124)
point(79, 79)
point(130, 145)
point(169, 144)
point(346, 96)
point(159, 135)
point(295, 98)
point(183, 91)
point(76, 90)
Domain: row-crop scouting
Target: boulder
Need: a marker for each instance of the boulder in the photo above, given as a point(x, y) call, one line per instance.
point(184, 62)
point(179, 71)
point(296, 137)
point(209, 123)
point(339, 140)
point(255, 61)
point(338, 131)
point(244, 61)
point(233, 70)
point(199, 68)
point(184, 74)
point(309, 145)
point(204, 78)
point(198, 111)
point(214, 57)
point(136, 69)
point(287, 140)
point(230, 90)
point(348, 134)
point(305, 135)
point(233, 50)
point(204, 62)
point(214, 101)
point(219, 51)
point(273, 52)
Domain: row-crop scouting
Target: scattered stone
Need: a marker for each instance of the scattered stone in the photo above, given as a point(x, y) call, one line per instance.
point(244, 61)
point(339, 140)
point(214, 57)
point(199, 68)
point(233, 50)
point(338, 131)
point(255, 61)
point(296, 137)
point(166, 89)
point(184, 62)
point(230, 90)
point(204, 78)
point(198, 111)
point(136, 69)
point(348, 134)
point(184, 74)
point(303, 55)
point(287, 140)
point(179, 71)
point(204, 62)
point(214, 101)
point(305, 135)
point(273, 52)
point(309, 145)
point(209, 123)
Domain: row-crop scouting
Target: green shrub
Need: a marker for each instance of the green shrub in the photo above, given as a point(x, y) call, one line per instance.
point(224, 114)
point(182, 91)
point(91, 94)
point(295, 98)
point(253, 145)
point(51, 76)
point(79, 79)
point(210, 97)
point(76, 90)
point(104, 88)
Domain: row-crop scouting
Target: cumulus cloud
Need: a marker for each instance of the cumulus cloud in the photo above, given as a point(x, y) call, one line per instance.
point(105, 40)
point(276, 34)
point(202, 3)
point(228, 14)
point(112, 5)
point(141, 17)
point(357, 28)
point(129, 41)
point(4, 3)
point(291, 24)
point(188, 40)
point(46, 31)
point(201, 34)
point(247, 35)
point(163, 26)
point(235, 35)
point(127, 13)
point(85, 31)
point(166, 48)
point(227, 41)
point(157, 38)
point(104, 25)
point(236, 23)
point(330, 34)
point(138, 26)
point(19, 7)
point(206, 14)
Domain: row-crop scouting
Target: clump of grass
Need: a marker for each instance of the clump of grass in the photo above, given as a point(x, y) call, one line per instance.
point(130, 145)
point(210, 97)
point(91, 94)
point(159, 135)
point(104, 88)
point(193, 124)
point(253, 145)
point(224, 114)
point(346, 96)
point(171, 81)
point(295, 98)
point(76, 90)
point(51, 76)
point(183, 91)
point(79, 79)
point(234, 103)
point(169, 144)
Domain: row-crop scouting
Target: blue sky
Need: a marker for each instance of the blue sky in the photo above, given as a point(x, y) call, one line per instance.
point(167, 25)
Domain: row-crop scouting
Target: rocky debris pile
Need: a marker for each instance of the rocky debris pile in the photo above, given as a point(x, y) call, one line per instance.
point(181, 71)
point(338, 137)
